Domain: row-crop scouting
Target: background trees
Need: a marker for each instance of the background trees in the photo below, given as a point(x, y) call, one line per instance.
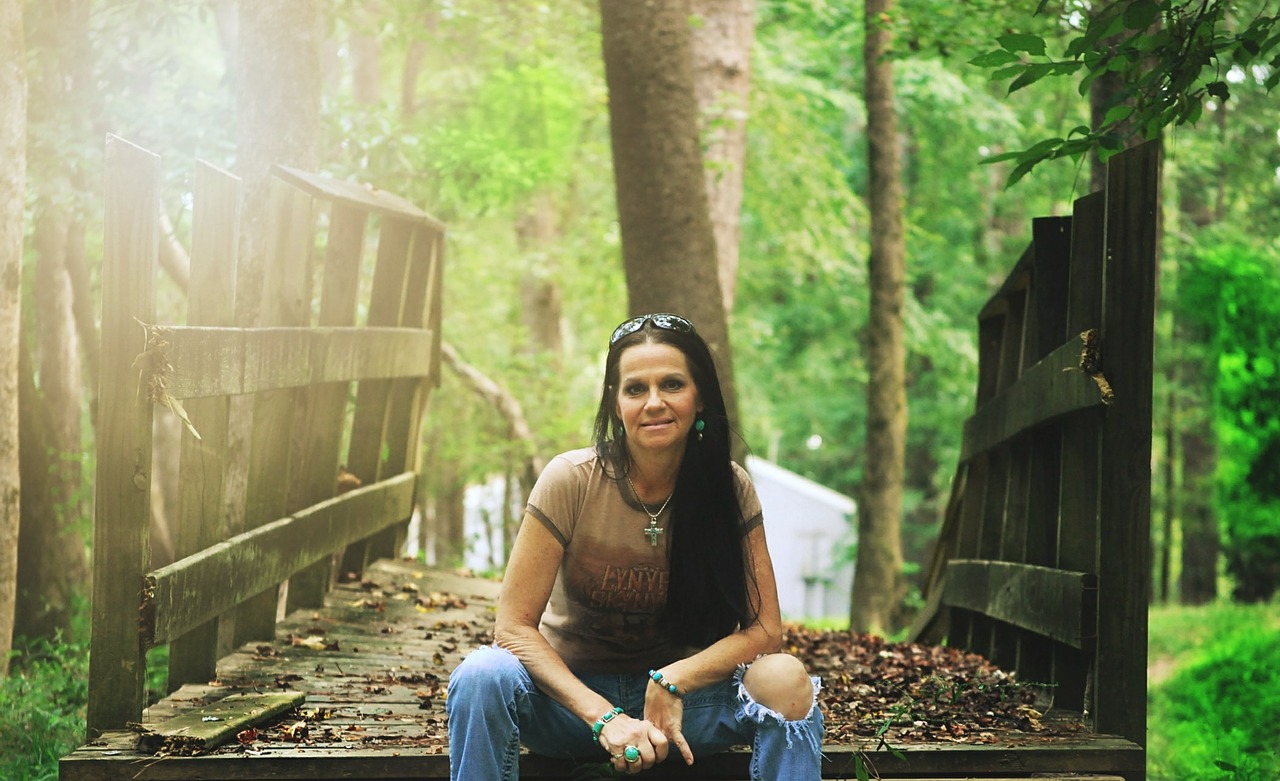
point(495, 117)
point(12, 186)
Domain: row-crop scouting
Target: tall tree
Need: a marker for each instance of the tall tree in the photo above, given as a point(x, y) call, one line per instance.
point(668, 247)
point(276, 58)
point(878, 578)
point(13, 188)
point(277, 66)
point(722, 37)
point(54, 564)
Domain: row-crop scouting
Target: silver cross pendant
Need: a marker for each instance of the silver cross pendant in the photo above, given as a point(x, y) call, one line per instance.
point(653, 531)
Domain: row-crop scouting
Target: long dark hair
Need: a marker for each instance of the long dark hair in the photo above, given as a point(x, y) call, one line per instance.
point(707, 587)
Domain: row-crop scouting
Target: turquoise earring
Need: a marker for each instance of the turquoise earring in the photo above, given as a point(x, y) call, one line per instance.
point(698, 426)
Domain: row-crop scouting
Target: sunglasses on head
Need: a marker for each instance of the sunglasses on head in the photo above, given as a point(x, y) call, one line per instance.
point(664, 320)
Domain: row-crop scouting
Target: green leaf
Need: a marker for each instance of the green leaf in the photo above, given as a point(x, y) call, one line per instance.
point(1140, 14)
point(994, 58)
point(1023, 42)
point(1045, 147)
point(1022, 170)
point(1031, 75)
point(1004, 73)
point(1000, 158)
point(1218, 89)
point(1117, 114)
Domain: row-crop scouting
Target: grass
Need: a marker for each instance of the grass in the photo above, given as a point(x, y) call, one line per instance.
point(43, 702)
point(1214, 700)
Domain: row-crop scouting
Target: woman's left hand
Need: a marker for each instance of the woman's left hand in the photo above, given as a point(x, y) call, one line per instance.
point(666, 712)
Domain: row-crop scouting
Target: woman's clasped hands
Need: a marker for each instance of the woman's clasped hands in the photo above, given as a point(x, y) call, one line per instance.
point(633, 744)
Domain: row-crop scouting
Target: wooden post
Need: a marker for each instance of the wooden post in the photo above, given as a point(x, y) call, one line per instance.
point(323, 406)
point(131, 245)
point(407, 405)
point(1124, 566)
point(369, 427)
point(215, 240)
point(286, 300)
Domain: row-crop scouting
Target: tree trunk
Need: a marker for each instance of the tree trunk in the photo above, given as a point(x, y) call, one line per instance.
point(278, 117)
point(366, 81)
point(1198, 582)
point(878, 578)
point(540, 300)
point(278, 122)
point(1105, 92)
point(722, 79)
point(54, 565)
point(13, 188)
point(668, 247)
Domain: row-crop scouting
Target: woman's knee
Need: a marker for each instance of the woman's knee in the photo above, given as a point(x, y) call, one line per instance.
point(781, 683)
point(488, 670)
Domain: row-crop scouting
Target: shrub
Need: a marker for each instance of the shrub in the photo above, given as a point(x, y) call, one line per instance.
point(1216, 719)
point(43, 702)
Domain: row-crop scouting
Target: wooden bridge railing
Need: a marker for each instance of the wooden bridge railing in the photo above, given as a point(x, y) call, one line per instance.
point(286, 379)
point(1042, 563)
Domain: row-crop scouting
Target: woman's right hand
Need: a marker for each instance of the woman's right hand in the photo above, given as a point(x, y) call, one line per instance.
point(626, 732)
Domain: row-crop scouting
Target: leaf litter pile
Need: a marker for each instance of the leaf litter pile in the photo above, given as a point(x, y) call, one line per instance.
point(873, 690)
point(909, 692)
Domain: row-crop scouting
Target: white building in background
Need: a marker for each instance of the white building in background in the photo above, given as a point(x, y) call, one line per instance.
point(811, 532)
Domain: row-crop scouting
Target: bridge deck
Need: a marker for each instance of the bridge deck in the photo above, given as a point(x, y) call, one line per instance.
point(372, 665)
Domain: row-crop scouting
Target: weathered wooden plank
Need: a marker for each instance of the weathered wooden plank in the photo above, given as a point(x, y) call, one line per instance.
point(1051, 388)
point(215, 240)
point(1055, 603)
point(354, 195)
point(409, 397)
point(212, 725)
point(122, 509)
point(322, 407)
point(286, 302)
point(1078, 503)
point(369, 448)
point(1050, 273)
point(1086, 760)
point(233, 361)
point(386, 300)
point(1013, 287)
point(199, 587)
point(1128, 332)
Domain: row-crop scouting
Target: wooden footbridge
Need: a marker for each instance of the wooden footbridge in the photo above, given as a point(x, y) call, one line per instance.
point(302, 647)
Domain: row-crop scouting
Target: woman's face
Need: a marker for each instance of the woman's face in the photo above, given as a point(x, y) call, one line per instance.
point(657, 399)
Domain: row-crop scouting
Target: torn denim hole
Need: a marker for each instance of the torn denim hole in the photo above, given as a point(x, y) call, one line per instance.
point(803, 728)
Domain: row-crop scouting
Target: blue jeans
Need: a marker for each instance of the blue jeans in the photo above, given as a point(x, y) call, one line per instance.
point(494, 707)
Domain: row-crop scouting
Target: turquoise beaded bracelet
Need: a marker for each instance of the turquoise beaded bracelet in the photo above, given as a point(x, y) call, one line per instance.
point(603, 720)
point(671, 687)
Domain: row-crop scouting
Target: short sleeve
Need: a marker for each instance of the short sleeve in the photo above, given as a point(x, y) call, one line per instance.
point(557, 496)
point(752, 513)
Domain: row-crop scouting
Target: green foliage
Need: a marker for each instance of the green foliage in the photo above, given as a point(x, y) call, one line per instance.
point(1233, 293)
point(1174, 58)
point(1215, 717)
point(43, 701)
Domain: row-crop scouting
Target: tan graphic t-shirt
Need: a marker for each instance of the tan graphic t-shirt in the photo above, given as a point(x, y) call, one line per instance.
point(612, 582)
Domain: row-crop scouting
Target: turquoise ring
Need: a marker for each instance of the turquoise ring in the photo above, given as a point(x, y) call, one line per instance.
point(631, 754)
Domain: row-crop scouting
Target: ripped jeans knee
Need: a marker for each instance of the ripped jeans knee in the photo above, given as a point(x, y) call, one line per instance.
point(782, 749)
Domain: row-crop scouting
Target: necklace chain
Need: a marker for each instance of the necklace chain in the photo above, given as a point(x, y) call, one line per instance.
point(652, 516)
point(653, 530)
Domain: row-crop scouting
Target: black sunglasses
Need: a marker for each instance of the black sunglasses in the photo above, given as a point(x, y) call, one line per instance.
point(664, 320)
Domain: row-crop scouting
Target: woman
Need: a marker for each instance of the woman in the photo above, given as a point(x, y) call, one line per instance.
point(638, 616)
